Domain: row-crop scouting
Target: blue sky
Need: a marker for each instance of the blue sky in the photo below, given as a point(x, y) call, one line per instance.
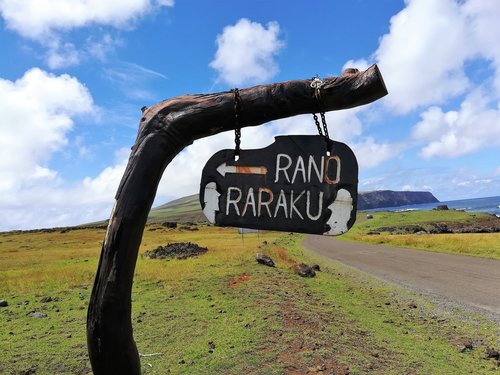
point(75, 73)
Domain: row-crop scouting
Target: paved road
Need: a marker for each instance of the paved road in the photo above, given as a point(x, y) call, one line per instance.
point(464, 280)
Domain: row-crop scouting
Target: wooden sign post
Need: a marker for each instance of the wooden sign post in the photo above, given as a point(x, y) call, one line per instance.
point(293, 185)
point(165, 129)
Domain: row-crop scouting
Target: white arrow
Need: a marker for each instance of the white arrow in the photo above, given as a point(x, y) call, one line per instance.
point(224, 168)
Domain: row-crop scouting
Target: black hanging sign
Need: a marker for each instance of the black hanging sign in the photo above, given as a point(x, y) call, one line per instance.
point(291, 185)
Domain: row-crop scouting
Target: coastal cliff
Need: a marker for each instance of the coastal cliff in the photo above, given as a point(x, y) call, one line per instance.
point(389, 198)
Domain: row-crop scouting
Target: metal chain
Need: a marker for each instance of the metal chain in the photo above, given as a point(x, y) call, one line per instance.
point(325, 126)
point(316, 84)
point(237, 130)
point(316, 120)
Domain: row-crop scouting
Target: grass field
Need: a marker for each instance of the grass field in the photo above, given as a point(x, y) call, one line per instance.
point(222, 313)
point(486, 245)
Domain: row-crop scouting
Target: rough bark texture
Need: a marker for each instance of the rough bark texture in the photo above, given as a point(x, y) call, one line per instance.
point(165, 129)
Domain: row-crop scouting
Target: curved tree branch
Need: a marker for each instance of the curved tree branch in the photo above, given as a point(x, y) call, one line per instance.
point(165, 129)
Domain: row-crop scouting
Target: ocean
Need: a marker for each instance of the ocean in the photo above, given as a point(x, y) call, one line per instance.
point(489, 205)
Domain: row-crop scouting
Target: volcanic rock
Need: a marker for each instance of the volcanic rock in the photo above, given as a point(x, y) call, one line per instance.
point(178, 250)
point(264, 259)
point(169, 224)
point(492, 353)
point(304, 270)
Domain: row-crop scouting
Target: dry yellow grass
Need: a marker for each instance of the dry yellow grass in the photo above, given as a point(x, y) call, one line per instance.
point(223, 243)
point(486, 245)
point(30, 261)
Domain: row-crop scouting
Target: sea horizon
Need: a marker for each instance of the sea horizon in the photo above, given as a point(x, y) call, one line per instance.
point(489, 205)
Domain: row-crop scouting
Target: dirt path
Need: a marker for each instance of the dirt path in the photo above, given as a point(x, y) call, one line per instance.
point(462, 280)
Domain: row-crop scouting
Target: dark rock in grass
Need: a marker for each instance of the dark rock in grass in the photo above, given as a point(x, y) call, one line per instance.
point(264, 259)
point(304, 270)
point(37, 314)
point(46, 299)
point(412, 229)
point(31, 371)
point(492, 353)
point(440, 228)
point(179, 250)
point(169, 224)
point(466, 346)
point(3, 303)
point(373, 232)
point(211, 346)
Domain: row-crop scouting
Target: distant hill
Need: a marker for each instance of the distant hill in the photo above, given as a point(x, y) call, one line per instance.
point(182, 210)
point(187, 209)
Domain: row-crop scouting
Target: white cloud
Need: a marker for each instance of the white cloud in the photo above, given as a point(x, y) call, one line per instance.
point(456, 133)
point(433, 53)
point(370, 154)
point(46, 201)
point(38, 111)
point(424, 56)
point(38, 19)
point(100, 191)
point(484, 25)
point(246, 51)
point(102, 47)
point(62, 55)
point(49, 21)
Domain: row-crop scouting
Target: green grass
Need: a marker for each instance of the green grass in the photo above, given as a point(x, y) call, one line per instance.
point(393, 218)
point(261, 320)
point(486, 245)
